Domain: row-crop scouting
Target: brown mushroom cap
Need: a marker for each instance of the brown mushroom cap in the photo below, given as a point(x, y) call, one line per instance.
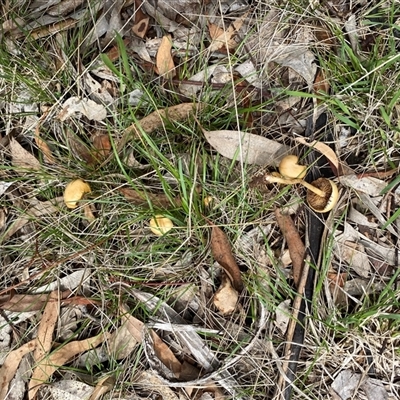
point(326, 203)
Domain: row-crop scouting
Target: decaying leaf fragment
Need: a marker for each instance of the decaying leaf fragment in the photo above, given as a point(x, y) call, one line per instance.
point(10, 365)
point(86, 107)
point(221, 251)
point(164, 61)
point(140, 198)
point(28, 302)
point(156, 119)
point(296, 246)
point(21, 157)
point(326, 151)
point(44, 338)
point(252, 149)
point(47, 366)
point(347, 383)
point(226, 297)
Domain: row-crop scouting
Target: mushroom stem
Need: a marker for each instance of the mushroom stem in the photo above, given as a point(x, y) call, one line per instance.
point(287, 181)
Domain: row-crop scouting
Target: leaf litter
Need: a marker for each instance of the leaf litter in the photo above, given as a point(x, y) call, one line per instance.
point(158, 33)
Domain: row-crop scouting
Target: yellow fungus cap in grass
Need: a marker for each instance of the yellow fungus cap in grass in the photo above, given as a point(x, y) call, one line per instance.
point(160, 225)
point(74, 192)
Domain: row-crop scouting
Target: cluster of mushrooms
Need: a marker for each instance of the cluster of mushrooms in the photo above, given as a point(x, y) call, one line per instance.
point(322, 194)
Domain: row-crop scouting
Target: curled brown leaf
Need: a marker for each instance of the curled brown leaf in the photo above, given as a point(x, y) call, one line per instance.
point(222, 252)
point(296, 246)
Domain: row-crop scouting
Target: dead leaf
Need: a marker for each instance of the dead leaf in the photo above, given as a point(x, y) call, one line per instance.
point(10, 365)
point(221, 251)
point(125, 339)
point(39, 209)
point(215, 31)
point(68, 389)
point(46, 327)
point(140, 28)
point(354, 255)
point(282, 315)
point(28, 302)
point(224, 38)
point(165, 354)
point(336, 284)
point(43, 147)
point(326, 151)
point(146, 379)
point(134, 325)
point(368, 185)
point(347, 383)
point(254, 149)
point(21, 157)
point(156, 119)
point(80, 149)
point(321, 84)
point(102, 145)
point(140, 198)
point(296, 247)
point(87, 107)
point(63, 8)
point(49, 364)
point(226, 297)
point(103, 386)
point(164, 61)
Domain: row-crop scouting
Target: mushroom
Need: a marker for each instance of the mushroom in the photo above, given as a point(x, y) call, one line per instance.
point(160, 225)
point(289, 167)
point(326, 203)
point(74, 191)
point(322, 194)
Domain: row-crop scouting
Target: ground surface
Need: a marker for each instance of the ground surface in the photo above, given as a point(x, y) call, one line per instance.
point(150, 248)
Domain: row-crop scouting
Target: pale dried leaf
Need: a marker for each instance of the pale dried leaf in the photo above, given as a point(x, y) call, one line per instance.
point(134, 326)
point(252, 149)
point(283, 315)
point(147, 379)
point(58, 358)
point(354, 255)
point(67, 389)
point(122, 343)
point(10, 365)
point(21, 157)
point(323, 149)
point(103, 386)
point(88, 108)
point(164, 62)
point(72, 281)
point(347, 384)
point(4, 186)
point(47, 326)
point(225, 298)
point(368, 185)
point(215, 31)
point(190, 89)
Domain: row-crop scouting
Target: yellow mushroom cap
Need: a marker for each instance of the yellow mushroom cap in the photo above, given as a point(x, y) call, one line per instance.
point(289, 168)
point(160, 225)
point(74, 191)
